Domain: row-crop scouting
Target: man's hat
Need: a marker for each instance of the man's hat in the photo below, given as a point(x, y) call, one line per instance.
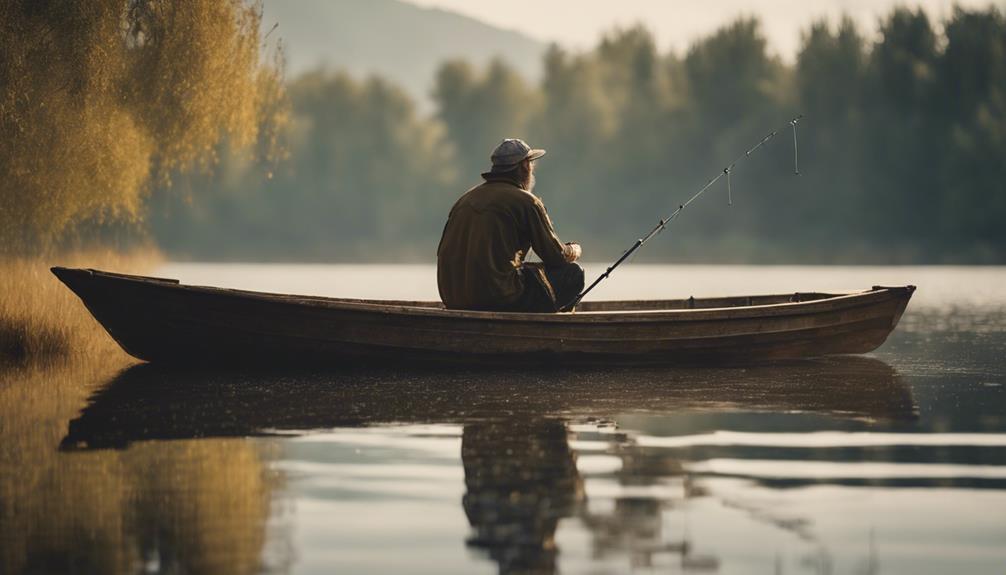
point(511, 152)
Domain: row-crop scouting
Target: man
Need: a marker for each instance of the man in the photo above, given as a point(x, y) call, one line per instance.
point(480, 261)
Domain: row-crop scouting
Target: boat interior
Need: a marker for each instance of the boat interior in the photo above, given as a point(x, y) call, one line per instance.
point(646, 305)
point(586, 306)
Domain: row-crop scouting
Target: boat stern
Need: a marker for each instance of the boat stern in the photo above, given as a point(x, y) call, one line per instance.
point(903, 294)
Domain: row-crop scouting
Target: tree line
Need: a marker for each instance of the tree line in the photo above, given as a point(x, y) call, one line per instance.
point(900, 153)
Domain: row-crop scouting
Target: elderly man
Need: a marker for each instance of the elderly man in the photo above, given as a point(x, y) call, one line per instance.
point(480, 261)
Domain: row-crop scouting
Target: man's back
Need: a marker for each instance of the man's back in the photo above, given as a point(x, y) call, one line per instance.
point(487, 235)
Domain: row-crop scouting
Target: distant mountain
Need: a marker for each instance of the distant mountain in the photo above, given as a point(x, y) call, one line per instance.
point(400, 41)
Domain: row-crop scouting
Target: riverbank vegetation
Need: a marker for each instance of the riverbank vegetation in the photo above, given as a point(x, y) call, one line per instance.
point(42, 320)
point(100, 103)
point(900, 153)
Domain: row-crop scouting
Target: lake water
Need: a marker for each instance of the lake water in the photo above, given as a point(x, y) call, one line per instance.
point(894, 462)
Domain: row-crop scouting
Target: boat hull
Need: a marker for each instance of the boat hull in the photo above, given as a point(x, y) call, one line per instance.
point(163, 321)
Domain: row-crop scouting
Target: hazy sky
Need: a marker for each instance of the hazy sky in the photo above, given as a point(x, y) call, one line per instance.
point(579, 23)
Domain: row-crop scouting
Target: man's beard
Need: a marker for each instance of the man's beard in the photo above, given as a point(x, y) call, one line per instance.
point(529, 181)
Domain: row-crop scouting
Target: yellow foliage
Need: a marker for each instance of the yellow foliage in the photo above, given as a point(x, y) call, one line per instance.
point(40, 318)
point(99, 98)
point(199, 505)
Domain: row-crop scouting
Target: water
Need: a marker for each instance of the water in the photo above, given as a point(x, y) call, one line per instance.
point(889, 463)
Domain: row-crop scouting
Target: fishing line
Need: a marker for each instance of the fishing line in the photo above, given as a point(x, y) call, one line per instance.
point(796, 156)
point(730, 193)
point(662, 224)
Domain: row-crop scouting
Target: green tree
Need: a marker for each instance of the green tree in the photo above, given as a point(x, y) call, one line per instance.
point(642, 101)
point(903, 155)
point(830, 75)
point(366, 178)
point(731, 76)
point(971, 100)
point(479, 110)
point(736, 89)
point(576, 123)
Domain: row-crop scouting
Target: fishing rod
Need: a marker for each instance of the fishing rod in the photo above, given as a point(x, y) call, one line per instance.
point(662, 224)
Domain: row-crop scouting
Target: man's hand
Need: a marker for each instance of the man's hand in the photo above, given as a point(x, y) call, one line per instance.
point(574, 252)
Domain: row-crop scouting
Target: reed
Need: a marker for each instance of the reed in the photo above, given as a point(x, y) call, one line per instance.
point(40, 319)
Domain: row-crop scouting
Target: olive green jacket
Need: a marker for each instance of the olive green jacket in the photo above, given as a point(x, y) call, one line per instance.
point(487, 235)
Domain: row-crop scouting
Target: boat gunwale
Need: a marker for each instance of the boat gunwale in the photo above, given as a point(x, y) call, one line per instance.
point(399, 307)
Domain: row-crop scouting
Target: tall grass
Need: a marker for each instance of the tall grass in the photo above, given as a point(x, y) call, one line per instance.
point(199, 506)
point(40, 319)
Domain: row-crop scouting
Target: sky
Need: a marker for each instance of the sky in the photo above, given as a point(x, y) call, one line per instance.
point(676, 23)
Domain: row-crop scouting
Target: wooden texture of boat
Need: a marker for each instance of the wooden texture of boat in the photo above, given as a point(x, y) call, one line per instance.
point(163, 321)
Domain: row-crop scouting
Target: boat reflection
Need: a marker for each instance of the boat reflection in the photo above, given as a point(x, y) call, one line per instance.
point(148, 402)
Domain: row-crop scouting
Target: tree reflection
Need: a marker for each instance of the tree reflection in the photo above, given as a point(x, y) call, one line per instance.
point(180, 507)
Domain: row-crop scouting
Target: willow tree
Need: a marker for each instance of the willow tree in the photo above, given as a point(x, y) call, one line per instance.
point(101, 100)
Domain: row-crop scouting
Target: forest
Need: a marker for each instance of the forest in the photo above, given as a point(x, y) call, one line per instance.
point(900, 152)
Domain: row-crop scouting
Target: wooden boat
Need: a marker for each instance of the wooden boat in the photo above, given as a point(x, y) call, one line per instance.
point(160, 320)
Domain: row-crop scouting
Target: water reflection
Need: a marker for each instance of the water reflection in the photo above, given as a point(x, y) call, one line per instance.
point(186, 507)
point(521, 479)
point(147, 402)
point(522, 474)
point(560, 470)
